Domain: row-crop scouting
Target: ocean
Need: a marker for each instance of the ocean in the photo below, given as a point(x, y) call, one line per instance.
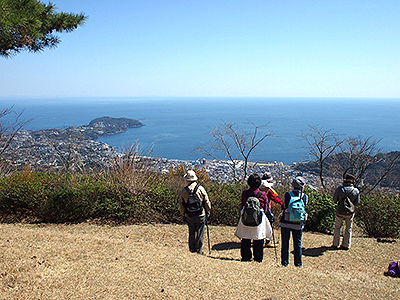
point(175, 126)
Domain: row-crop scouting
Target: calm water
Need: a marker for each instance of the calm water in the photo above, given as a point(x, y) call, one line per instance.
point(174, 126)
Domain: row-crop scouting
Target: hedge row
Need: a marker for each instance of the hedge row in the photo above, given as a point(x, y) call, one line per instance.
point(73, 198)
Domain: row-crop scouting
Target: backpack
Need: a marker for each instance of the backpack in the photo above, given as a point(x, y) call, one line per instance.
point(194, 206)
point(393, 269)
point(345, 205)
point(252, 212)
point(296, 210)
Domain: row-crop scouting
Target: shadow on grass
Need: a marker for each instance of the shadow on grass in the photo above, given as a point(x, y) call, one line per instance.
point(226, 246)
point(318, 251)
point(224, 258)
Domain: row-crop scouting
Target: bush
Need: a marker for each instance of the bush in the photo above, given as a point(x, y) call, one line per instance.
point(69, 198)
point(321, 212)
point(225, 202)
point(379, 215)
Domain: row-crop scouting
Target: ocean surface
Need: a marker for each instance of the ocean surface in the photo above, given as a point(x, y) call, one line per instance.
point(175, 126)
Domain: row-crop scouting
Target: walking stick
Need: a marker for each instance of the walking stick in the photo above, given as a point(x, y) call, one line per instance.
point(273, 237)
point(208, 235)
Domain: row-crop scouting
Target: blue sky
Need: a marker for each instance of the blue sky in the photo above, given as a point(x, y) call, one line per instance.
point(237, 48)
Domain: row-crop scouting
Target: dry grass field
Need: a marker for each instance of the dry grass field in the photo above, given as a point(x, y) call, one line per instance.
point(83, 261)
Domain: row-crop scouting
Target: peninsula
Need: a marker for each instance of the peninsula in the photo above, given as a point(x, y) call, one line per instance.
point(49, 148)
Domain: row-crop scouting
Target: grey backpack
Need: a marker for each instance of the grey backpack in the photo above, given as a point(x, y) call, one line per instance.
point(252, 212)
point(345, 205)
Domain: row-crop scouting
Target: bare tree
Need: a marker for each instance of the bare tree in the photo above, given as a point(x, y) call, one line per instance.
point(11, 123)
point(235, 144)
point(322, 144)
point(358, 155)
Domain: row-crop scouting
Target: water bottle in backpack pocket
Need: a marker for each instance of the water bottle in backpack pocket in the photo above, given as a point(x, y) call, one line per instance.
point(296, 210)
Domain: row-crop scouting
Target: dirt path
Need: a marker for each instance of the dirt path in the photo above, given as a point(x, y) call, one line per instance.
point(153, 262)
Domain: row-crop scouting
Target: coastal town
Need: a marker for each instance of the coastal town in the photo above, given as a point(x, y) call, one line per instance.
point(76, 148)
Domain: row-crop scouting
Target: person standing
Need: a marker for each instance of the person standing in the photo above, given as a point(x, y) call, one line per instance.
point(272, 195)
point(293, 226)
point(267, 181)
point(257, 234)
point(195, 207)
point(347, 197)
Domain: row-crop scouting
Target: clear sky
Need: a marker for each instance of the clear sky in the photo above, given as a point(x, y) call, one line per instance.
point(266, 48)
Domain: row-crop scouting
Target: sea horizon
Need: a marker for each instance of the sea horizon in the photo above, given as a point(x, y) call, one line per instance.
point(175, 125)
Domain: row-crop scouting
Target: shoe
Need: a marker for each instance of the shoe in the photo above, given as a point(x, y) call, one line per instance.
point(344, 248)
point(333, 247)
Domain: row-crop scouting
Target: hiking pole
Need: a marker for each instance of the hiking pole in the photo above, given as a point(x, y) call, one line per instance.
point(208, 235)
point(273, 237)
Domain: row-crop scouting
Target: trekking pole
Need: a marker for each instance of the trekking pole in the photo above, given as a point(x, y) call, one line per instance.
point(273, 237)
point(208, 235)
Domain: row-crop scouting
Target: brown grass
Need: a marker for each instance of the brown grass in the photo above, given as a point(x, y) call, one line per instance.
point(86, 261)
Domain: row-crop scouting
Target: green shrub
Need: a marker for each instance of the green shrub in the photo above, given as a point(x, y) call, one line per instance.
point(225, 202)
point(69, 198)
point(163, 200)
point(321, 212)
point(379, 215)
point(24, 190)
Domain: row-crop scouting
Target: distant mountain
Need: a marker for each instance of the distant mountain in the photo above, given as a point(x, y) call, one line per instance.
point(392, 180)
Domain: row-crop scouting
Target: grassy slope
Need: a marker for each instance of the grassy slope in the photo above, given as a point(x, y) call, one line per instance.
point(153, 262)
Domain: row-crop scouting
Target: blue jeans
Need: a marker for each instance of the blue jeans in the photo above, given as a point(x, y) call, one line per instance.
point(297, 234)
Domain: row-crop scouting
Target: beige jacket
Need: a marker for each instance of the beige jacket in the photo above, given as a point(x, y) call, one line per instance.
point(201, 193)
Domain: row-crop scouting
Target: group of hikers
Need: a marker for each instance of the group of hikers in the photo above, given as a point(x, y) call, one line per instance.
point(256, 218)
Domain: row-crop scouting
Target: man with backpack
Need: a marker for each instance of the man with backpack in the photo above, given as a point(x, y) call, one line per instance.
point(195, 207)
point(346, 197)
point(293, 220)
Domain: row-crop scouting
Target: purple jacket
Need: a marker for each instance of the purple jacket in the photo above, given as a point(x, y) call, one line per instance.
point(263, 198)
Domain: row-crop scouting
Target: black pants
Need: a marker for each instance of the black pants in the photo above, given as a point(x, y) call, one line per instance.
point(258, 250)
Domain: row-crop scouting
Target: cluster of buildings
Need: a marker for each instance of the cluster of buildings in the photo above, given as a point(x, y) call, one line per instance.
point(223, 172)
point(70, 149)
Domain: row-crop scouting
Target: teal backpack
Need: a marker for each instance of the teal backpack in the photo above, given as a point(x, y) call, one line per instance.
point(296, 211)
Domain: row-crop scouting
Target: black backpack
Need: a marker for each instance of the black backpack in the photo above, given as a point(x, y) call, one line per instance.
point(345, 205)
point(194, 206)
point(252, 212)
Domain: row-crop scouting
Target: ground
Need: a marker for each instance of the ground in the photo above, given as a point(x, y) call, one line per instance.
point(85, 261)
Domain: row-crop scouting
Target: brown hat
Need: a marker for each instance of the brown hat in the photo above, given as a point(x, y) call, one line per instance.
point(349, 178)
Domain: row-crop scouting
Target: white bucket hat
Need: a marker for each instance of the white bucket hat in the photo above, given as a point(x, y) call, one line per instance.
point(190, 176)
point(266, 184)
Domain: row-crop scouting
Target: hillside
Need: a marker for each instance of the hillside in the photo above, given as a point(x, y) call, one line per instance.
point(392, 180)
point(86, 261)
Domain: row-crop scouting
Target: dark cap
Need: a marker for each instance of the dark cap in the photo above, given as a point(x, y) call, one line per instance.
point(349, 178)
